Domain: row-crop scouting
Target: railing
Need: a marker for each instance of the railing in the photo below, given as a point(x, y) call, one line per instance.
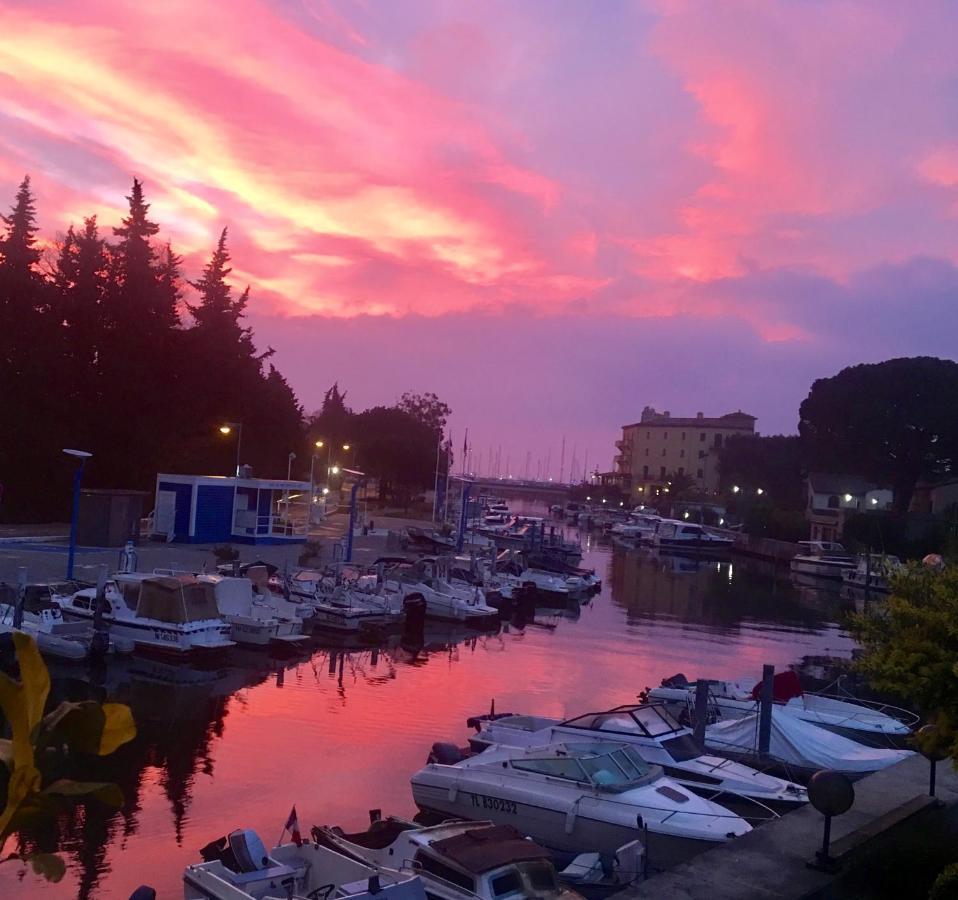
point(270, 526)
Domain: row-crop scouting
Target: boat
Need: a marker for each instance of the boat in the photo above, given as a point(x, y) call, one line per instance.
point(633, 531)
point(54, 637)
point(169, 616)
point(344, 604)
point(875, 724)
point(873, 572)
point(822, 559)
point(486, 860)
point(576, 797)
point(677, 535)
point(798, 748)
point(238, 867)
point(410, 583)
point(658, 737)
point(254, 618)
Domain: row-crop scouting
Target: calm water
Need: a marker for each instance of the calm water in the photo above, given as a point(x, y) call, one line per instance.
point(341, 733)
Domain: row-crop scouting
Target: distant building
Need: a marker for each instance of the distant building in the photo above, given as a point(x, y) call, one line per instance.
point(658, 446)
point(831, 498)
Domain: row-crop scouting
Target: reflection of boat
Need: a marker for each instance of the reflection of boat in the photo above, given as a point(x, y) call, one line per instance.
point(873, 572)
point(487, 861)
point(853, 718)
point(821, 559)
point(577, 797)
point(652, 731)
point(238, 867)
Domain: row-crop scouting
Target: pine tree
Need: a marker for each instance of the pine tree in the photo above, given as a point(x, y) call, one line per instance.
point(217, 314)
point(18, 249)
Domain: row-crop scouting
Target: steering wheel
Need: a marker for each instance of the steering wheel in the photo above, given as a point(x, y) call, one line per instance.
point(321, 893)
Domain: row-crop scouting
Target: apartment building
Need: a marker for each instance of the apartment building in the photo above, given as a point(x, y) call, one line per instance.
point(659, 446)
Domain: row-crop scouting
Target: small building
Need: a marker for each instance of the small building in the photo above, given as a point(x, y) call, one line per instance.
point(110, 518)
point(830, 498)
point(209, 509)
point(660, 446)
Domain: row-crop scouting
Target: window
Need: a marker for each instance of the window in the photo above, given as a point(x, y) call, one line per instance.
point(682, 453)
point(662, 472)
point(648, 434)
point(446, 873)
point(506, 883)
point(645, 471)
point(646, 451)
point(701, 454)
point(665, 435)
point(569, 769)
point(663, 451)
point(683, 435)
point(702, 436)
point(681, 471)
point(718, 441)
point(701, 473)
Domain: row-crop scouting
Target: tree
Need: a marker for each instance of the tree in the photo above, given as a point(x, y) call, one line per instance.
point(893, 422)
point(18, 248)
point(771, 463)
point(398, 449)
point(428, 409)
point(910, 648)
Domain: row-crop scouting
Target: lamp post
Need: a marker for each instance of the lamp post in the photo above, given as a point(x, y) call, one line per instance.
point(82, 456)
point(227, 428)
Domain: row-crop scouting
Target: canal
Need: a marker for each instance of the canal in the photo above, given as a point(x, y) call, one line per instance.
point(340, 733)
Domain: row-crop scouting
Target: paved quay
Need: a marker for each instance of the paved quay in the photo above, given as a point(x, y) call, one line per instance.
point(890, 832)
point(42, 549)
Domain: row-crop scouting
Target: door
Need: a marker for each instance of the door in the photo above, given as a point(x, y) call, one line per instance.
point(164, 516)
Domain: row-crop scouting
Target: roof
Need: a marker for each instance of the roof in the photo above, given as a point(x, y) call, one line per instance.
point(729, 420)
point(481, 849)
point(832, 483)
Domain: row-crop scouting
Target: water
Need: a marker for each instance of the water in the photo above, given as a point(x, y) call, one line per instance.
point(341, 733)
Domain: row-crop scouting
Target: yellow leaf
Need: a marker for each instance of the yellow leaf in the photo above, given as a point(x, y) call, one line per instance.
point(24, 781)
point(118, 727)
point(23, 701)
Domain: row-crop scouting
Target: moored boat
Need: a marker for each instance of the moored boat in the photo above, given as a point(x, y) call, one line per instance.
point(822, 559)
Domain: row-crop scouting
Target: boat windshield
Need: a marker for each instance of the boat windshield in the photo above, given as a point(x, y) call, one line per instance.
point(614, 769)
point(651, 721)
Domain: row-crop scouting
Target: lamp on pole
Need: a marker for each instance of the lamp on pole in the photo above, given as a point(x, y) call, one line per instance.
point(82, 456)
point(227, 428)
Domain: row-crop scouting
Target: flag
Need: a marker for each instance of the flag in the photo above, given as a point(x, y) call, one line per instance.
point(292, 826)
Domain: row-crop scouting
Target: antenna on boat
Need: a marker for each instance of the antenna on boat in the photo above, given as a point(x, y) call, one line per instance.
point(492, 707)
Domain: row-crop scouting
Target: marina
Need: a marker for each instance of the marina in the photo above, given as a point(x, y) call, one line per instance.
point(342, 728)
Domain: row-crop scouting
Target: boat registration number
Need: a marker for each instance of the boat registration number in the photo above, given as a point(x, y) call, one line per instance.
point(168, 636)
point(484, 802)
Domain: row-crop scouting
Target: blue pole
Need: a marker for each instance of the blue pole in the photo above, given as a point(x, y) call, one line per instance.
point(352, 521)
point(462, 517)
point(74, 516)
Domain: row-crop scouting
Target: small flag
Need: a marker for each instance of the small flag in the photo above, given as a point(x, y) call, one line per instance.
point(292, 826)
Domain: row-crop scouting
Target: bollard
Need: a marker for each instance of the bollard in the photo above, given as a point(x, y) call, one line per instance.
point(934, 757)
point(765, 709)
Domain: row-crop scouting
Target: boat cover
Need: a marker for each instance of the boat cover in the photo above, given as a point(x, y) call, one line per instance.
point(801, 744)
point(176, 599)
point(481, 849)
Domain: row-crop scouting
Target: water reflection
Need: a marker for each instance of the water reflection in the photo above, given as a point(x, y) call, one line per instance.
point(342, 731)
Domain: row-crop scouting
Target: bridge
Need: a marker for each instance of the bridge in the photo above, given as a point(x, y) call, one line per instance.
point(520, 488)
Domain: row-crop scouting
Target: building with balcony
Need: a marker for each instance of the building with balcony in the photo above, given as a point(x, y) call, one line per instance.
point(659, 446)
point(831, 498)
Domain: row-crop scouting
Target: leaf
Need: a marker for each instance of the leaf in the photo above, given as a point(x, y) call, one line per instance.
point(6, 753)
point(24, 781)
point(79, 725)
point(103, 791)
point(23, 701)
point(48, 865)
point(118, 727)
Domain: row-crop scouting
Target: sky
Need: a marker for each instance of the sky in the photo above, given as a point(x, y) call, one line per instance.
point(552, 213)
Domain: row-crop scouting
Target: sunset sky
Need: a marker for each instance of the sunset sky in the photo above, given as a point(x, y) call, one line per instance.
point(550, 212)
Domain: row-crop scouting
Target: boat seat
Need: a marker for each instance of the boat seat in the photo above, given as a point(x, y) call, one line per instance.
point(274, 870)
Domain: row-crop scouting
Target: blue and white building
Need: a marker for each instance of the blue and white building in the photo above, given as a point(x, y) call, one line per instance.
point(210, 509)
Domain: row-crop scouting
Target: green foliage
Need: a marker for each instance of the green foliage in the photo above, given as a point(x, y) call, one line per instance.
point(893, 422)
point(428, 409)
point(902, 535)
point(946, 884)
point(772, 463)
point(29, 796)
point(910, 644)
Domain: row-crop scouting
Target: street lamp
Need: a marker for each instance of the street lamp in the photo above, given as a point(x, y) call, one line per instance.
point(82, 456)
point(760, 491)
point(735, 488)
point(227, 428)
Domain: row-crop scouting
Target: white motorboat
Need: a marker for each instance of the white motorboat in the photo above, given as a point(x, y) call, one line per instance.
point(678, 535)
point(633, 531)
point(799, 748)
point(239, 867)
point(53, 636)
point(822, 559)
point(868, 723)
point(488, 861)
point(652, 731)
point(254, 618)
point(578, 797)
point(411, 584)
point(873, 572)
point(346, 606)
point(174, 617)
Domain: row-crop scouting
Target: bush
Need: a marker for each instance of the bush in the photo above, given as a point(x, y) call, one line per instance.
point(946, 884)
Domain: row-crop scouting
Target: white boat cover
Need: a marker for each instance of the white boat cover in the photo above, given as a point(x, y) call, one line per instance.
point(802, 744)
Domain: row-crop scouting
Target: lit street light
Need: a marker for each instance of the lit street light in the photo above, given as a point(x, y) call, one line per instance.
point(760, 491)
point(227, 428)
point(82, 456)
point(735, 488)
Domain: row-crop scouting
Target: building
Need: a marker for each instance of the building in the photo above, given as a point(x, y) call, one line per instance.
point(831, 498)
point(659, 446)
point(210, 509)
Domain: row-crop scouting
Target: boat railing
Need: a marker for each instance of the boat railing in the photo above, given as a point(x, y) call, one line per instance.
point(839, 692)
point(414, 865)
